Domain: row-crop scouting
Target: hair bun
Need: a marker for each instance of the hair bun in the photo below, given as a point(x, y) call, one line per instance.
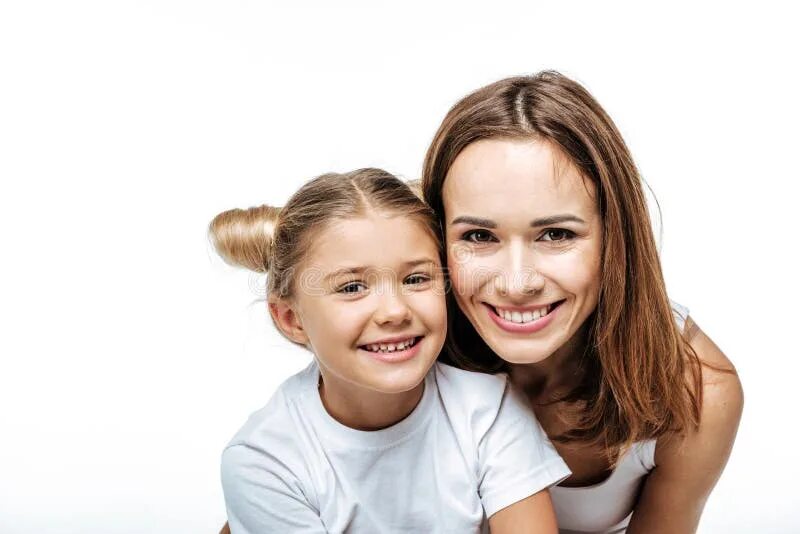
point(244, 237)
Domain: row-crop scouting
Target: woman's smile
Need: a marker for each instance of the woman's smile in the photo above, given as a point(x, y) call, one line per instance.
point(523, 320)
point(524, 242)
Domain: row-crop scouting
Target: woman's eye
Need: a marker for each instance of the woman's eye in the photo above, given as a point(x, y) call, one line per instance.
point(557, 234)
point(477, 236)
point(350, 288)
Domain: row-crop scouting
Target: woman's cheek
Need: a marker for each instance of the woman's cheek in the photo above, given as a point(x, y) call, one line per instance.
point(468, 274)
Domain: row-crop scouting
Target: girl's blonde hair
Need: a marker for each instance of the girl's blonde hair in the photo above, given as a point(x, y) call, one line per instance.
point(273, 240)
point(642, 379)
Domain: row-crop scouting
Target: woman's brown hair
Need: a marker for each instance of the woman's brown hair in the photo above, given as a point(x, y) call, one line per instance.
point(642, 379)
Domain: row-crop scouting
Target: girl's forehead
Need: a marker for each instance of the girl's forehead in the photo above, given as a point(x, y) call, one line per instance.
point(375, 238)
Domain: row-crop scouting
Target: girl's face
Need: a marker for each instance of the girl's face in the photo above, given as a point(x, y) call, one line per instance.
point(370, 303)
point(524, 239)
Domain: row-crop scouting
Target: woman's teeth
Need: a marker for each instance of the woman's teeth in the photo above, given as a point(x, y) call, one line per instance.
point(391, 347)
point(523, 317)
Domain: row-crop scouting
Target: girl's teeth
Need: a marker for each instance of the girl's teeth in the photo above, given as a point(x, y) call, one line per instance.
point(391, 347)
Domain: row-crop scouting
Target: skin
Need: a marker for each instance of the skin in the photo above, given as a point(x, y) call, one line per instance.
point(397, 291)
point(515, 258)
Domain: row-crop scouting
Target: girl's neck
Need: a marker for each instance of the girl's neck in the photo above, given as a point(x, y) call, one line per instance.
point(365, 409)
point(554, 376)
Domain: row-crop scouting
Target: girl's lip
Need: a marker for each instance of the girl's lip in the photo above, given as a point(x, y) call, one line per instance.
point(395, 339)
point(523, 328)
point(396, 356)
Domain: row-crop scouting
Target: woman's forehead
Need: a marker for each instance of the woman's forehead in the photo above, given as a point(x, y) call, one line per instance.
point(501, 176)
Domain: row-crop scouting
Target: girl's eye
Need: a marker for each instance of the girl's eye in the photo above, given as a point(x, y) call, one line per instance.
point(417, 279)
point(350, 288)
point(557, 234)
point(477, 236)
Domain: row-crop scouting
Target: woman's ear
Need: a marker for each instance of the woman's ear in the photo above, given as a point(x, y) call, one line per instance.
point(288, 320)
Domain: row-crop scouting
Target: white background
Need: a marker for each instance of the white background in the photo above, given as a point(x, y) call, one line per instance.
point(131, 354)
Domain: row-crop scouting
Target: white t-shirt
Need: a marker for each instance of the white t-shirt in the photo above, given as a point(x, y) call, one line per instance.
point(471, 447)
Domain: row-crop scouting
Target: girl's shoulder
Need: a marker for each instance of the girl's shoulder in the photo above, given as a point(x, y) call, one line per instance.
point(470, 386)
point(274, 422)
point(479, 398)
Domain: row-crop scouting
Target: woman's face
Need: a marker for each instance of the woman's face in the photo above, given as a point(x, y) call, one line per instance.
point(524, 239)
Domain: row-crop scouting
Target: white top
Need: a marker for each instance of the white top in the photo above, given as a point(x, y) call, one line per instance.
point(471, 447)
point(606, 508)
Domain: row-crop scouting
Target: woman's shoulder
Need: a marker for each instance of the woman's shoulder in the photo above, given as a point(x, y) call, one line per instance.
point(722, 401)
point(721, 387)
point(723, 396)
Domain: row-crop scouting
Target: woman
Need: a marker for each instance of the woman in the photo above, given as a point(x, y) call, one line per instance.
point(556, 280)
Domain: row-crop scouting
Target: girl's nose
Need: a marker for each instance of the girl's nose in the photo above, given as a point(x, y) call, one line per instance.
point(392, 307)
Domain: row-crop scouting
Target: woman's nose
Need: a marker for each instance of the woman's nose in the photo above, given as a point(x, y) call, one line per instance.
point(518, 275)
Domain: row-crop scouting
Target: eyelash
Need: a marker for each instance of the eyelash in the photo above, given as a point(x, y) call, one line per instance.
point(566, 235)
point(468, 235)
point(349, 284)
point(342, 289)
point(425, 277)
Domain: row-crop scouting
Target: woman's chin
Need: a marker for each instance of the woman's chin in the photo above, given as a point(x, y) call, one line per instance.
point(524, 357)
point(522, 351)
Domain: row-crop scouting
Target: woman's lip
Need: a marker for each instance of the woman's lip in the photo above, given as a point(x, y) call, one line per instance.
point(523, 309)
point(521, 328)
point(396, 356)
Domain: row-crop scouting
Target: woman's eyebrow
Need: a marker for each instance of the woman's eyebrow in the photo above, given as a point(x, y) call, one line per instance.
point(475, 221)
point(555, 219)
point(544, 221)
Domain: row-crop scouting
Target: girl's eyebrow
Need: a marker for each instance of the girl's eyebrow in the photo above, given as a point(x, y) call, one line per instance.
point(346, 270)
point(363, 269)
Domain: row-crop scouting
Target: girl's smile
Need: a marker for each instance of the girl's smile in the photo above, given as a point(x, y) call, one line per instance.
point(371, 304)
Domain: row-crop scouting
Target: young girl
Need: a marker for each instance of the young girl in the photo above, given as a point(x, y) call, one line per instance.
point(373, 436)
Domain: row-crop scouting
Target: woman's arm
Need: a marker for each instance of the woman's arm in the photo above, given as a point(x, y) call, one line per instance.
point(532, 515)
point(688, 467)
point(225, 529)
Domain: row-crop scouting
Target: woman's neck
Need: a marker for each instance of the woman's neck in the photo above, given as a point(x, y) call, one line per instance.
point(365, 409)
point(554, 376)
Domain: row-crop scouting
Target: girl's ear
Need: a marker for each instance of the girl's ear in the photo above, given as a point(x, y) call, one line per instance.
point(288, 320)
